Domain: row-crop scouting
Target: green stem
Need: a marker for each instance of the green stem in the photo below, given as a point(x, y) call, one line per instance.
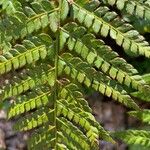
point(56, 84)
point(57, 49)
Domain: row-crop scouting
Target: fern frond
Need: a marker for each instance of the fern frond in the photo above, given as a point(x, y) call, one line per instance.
point(42, 96)
point(52, 58)
point(36, 119)
point(27, 22)
point(134, 137)
point(95, 55)
point(88, 122)
point(26, 81)
point(69, 111)
point(61, 147)
point(45, 115)
point(35, 99)
point(98, 81)
point(72, 94)
point(139, 8)
point(10, 6)
point(15, 59)
point(82, 119)
point(43, 136)
point(30, 19)
point(137, 137)
point(143, 115)
point(67, 128)
point(30, 51)
point(81, 36)
point(104, 22)
point(139, 94)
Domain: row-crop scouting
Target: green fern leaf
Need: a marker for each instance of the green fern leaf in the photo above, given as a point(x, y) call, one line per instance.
point(135, 137)
point(97, 57)
point(53, 50)
point(25, 82)
point(125, 35)
point(104, 86)
point(143, 115)
point(134, 7)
